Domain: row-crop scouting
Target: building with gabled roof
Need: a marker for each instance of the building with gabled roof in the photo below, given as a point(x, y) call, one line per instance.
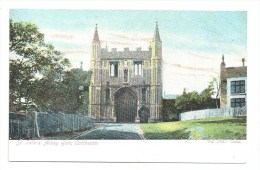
point(233, 85)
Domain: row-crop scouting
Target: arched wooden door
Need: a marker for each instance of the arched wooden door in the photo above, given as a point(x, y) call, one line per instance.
point(125, 105)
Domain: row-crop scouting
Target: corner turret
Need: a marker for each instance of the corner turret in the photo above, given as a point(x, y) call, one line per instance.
point(156, 36)
point(156, 75)
point(96, 37)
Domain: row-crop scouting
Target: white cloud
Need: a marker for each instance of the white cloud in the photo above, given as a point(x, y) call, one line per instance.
point(191, 69)
point(76, 45)
point(70, 37)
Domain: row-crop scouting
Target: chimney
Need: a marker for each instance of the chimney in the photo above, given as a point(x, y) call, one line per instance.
point(81, 65)
point(184, 91)
point(243, 62)
point(223, 65)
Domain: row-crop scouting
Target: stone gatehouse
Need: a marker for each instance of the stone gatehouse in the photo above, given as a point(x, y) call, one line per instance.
point(126, 86)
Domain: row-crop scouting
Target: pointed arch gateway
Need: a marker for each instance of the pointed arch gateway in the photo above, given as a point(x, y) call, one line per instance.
point(125, 105)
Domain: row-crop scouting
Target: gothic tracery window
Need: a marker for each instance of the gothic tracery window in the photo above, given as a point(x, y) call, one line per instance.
point(138, 68)
point(125, 75)
point(107, 95)
point(143, 95)
point(114, 69)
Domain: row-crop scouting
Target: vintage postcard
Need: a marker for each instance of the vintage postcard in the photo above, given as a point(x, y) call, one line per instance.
point(179, 75)
point(92, 79)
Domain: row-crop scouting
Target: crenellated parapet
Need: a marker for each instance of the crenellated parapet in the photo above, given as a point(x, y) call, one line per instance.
point(125, 54)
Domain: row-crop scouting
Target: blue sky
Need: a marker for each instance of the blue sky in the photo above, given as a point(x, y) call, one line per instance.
point(193, 41)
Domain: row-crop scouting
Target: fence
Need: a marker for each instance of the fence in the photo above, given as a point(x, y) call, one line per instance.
point(20, 126)
point(41, 124)
point(208, 113)
point(48, 123)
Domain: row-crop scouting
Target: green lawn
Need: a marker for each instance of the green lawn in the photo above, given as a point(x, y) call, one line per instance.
point(211, 128)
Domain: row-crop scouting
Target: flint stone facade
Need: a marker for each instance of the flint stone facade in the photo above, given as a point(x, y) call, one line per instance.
point(126, 86)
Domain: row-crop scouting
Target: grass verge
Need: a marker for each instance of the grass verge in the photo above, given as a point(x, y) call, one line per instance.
point(227, 128)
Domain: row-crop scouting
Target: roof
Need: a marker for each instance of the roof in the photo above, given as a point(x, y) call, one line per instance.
point(170, 96)
point(156, 36)
point(234, 72)
point(126, 55)
point(96, 38)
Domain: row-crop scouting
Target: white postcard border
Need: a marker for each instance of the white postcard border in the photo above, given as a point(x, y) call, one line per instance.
point(148, 150)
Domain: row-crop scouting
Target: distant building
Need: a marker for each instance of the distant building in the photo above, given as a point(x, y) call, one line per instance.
point(170, 96)
point(233, 85)
point(126, 86)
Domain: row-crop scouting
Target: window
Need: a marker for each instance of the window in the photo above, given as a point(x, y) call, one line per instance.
point(138, 67)
point(114, 69)
point(238, 86)
point(238, 102)
point(107, 95)
point(125, 63)
point(143, 95)
point(125, 75)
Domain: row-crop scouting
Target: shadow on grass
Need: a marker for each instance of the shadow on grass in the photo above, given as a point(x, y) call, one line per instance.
point(239, 120)
point(109, 134)
point(111, 125)
point(177, 134)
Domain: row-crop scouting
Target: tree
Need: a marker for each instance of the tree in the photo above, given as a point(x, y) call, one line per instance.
point(187, 102)
point(31, 59)
point(197, 101)
point(215, 83)
point(64, 95)
point(73, 80)
point(206, 97)
point(169, 110)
